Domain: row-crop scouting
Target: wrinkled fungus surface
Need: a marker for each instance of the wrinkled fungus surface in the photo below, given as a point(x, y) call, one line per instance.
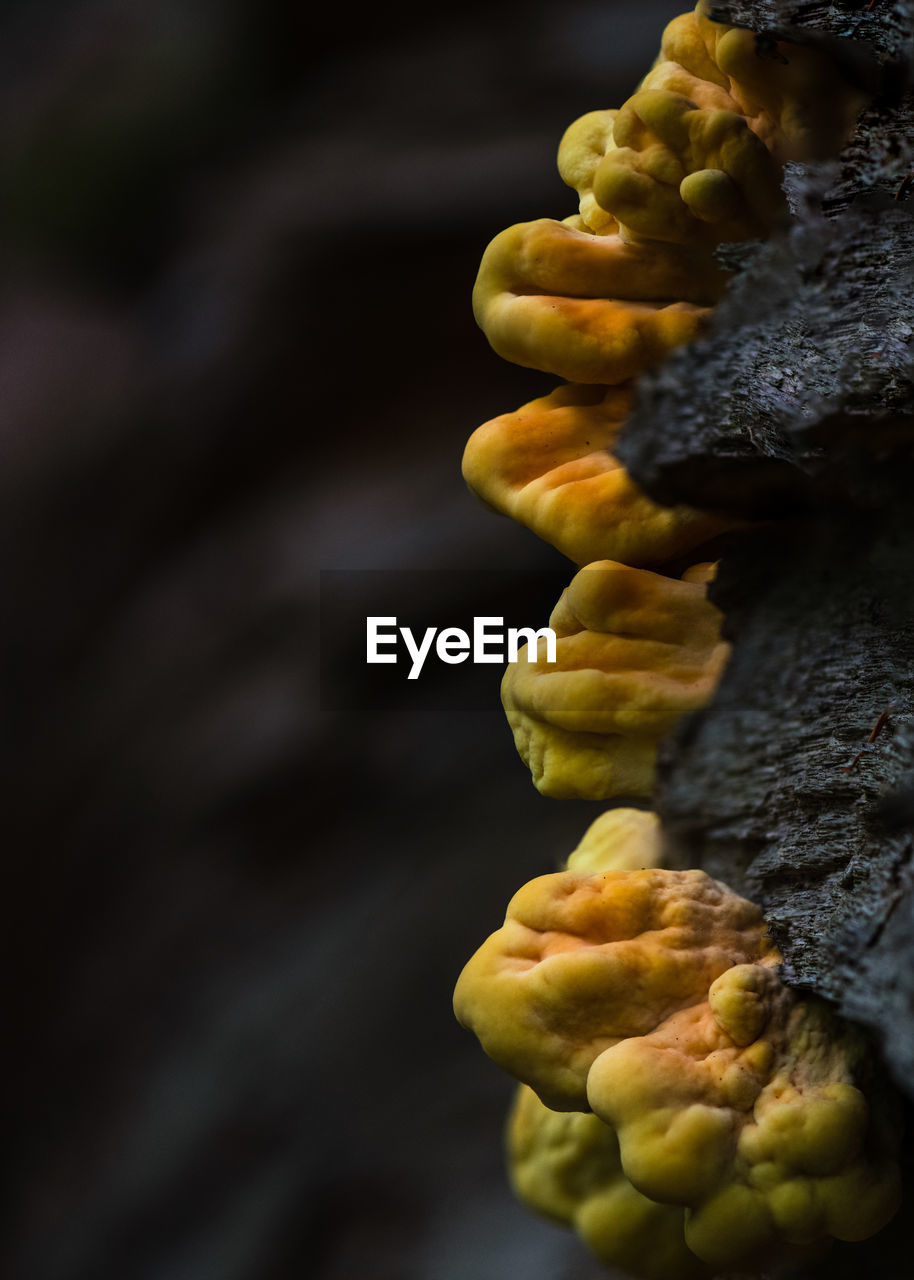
point(652, 999)
point(692, 159)
point(635, 652)
point(550, 466)
point(619, 840)
point(566, 1165)
point(584, 962)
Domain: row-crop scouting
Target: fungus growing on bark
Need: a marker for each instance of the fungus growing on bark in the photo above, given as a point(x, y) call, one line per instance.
point(584, 962)
point(691, 159)
point(550, 466)
point(713, 117)
point(734, 1121)
point(590, 308)
point(749, 1109)
point(635, 651)
point(652, 998)
point(794, 97)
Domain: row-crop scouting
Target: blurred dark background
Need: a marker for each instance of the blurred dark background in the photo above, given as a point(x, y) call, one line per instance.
point(236, 348)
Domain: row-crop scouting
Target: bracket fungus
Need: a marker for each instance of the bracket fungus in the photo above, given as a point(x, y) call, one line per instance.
point(635, 652)
point(619, 840)
point(793, 96)
point(550, 466)
point(652, 999)
point(693, 158)
point(590, 308)
point(566, 1165)
point(584, 962)
point(680, 1107)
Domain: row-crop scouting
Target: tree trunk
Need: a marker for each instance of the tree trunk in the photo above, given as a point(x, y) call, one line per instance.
point(797, 413)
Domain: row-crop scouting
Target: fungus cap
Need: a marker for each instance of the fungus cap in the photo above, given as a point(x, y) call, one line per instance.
point(619, 840)
point(583, 146)
point(652, 998)
point(590, 308)
point(566, 1166)
point(635, 651)
point(550, 466)
point(585, 962)
point(791, 98)
point(748, 1109)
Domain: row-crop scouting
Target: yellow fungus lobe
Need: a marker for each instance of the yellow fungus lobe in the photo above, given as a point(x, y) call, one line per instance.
point(635, 652)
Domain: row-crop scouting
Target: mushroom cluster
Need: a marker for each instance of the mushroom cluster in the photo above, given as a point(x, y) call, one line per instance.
point(691, 160)
point(680, 1107)
point(719, 1117)
point(694, 158)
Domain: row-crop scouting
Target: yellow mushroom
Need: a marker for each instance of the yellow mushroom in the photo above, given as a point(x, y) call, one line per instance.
point(590, 308)
point(730, 1121)
point(619, 840)
point(584, 962)
point(692, 159)
point(635, 651)
point(583, 146)
point(550, 466)
point(652, 998)
point(687, 174)
point(793, 96)
point(746, 1108)
point(566, 1166)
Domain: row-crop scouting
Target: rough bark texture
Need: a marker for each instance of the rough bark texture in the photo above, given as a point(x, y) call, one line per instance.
point(797, 784)
point(881, 30)
point(778, 787)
